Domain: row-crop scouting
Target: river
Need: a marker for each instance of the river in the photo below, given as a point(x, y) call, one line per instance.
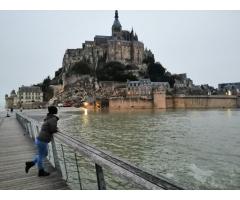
point(198, 149)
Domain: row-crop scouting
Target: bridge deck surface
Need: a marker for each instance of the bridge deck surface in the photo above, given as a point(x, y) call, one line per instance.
point(15, 149)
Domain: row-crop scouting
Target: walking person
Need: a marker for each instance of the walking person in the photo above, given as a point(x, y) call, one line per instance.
point(45, 136)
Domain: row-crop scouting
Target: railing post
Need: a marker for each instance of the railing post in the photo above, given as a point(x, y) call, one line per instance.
point(29, 128)
point(37, 130)
point(55, 157)
point(100, 177)
point(32, 130)
point(79, 179)
point(64, 162)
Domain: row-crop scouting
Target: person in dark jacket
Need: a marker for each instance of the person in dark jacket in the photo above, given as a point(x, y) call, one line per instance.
point(45, 136)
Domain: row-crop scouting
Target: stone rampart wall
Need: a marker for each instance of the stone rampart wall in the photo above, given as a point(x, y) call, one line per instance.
point(202, 102)
point(127, 103)
point(238, 102)
point(176, 102)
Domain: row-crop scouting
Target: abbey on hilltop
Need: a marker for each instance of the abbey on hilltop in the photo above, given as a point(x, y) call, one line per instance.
point(117, 72)
point(111, 66)
point(122, 46)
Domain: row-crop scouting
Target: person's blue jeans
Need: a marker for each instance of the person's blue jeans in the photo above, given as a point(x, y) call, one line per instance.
point(42, 148)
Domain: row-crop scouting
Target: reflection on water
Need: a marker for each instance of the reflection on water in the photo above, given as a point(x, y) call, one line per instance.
point(197, 148)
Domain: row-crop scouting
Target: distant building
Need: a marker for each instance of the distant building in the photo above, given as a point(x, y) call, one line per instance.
point(27, 96)
point(229, 88)
point(160, 85)
point(144, 88)
point(12, 100)
point(181, 81)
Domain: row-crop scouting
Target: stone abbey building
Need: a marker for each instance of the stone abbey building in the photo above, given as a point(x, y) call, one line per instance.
point(122, 46)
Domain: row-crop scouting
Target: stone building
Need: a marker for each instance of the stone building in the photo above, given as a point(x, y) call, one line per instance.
point(145, 88)
point(142, 87)
point(26, 97)
point(182, 81)
point(122, 46)
point(28, 94)
point(12, 100)
point(160, 86)
point(229, 88)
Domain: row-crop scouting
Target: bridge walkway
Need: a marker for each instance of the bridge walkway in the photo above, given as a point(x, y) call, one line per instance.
point(15, 149)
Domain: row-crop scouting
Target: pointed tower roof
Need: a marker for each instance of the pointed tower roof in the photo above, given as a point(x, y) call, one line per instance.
point(116, 24)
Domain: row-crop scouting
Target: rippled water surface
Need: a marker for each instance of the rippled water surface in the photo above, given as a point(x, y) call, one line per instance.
point(199, 149)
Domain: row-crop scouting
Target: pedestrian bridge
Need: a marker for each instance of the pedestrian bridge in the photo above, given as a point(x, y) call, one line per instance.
point(15, 149)
point(64, 162)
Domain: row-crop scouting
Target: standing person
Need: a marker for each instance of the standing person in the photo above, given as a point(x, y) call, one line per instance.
point(7, 113)
point(48, 128)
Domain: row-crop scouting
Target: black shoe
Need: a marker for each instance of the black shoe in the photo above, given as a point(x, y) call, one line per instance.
point(28, 166)
point(41, 172)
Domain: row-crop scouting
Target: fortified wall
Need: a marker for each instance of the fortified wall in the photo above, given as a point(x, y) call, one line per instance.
point(201, 102)
point(161, 101)
point(127, 103)
point(238, 102)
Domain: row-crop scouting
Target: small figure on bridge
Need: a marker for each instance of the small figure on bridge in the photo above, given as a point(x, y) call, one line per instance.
point(7, 113)
point(48, 128)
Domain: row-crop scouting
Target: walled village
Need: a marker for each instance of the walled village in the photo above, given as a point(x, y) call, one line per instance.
point(118, 72)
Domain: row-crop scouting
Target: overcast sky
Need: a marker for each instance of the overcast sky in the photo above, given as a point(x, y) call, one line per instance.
point(203, 44)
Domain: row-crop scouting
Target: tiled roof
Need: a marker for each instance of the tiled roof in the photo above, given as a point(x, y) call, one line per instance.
point(30, 89)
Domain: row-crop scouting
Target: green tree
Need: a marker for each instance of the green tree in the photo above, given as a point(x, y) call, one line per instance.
point(46, 83)
point(168, 78)
point(156, 72)
point(80, 68)
point(148, 57)
point(47, 91)
point(114, 71)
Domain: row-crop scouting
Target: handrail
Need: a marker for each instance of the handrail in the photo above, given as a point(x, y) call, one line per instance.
point(100, 158)
point(1, 121)
point(103, 159)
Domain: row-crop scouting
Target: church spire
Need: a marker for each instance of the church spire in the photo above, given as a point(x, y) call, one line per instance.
point(116, 14)
point(116, 27)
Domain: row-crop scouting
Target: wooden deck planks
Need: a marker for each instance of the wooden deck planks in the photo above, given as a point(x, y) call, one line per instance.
point(15, 149)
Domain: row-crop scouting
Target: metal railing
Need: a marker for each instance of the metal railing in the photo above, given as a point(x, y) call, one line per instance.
point(1, 120)
point(66, 153)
